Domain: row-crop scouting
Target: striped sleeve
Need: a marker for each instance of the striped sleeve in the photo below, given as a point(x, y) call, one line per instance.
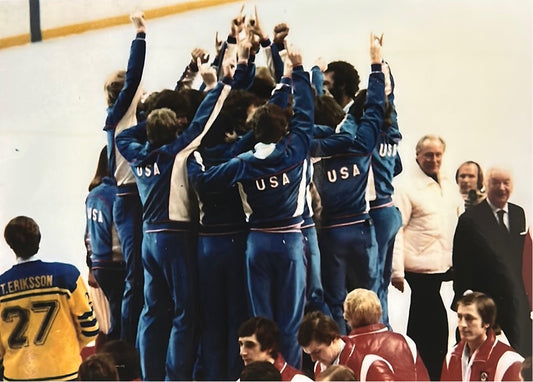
point(82, 311)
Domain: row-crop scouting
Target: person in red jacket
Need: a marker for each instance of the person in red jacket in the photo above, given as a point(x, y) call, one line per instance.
point(362, 311)
point(320, 337)
point(480, 356)
point(259, 341)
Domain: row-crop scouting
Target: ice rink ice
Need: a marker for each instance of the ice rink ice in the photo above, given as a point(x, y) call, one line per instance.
point(463, 69)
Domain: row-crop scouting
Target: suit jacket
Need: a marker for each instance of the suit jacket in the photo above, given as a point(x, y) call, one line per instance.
point(488, 259)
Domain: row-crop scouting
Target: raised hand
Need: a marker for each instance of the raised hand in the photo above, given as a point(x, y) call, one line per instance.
point(199, 53)
point(295, 56)
point(281, 31)
point(254, 25)
point(376, 42)
point(237, 24)
point(137, 18)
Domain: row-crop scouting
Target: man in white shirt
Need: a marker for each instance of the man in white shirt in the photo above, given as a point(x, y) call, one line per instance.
point(430, 204)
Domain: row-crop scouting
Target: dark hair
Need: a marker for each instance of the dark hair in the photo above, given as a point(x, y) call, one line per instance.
point(102, 169)
point(266, 331)
point(316, 326)
point(480, 177)
point(113, 85)
point(194, 97)
point(161, 127)
point(98, 367)
point(263, 84)
point(260, 371)
point(23, 236)
point(217, 132)
point(328, 112)
point(486, 308)
point(337, 373)
point(126, 358)
point(525, 370)
point(269, 123)
point(345, 79)
point(178, 102)
point(237, 104)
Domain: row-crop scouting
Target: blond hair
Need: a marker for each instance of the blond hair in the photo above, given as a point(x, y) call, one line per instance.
point(361, 308)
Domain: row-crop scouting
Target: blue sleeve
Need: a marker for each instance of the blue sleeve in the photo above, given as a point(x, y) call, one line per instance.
point(215, 178)
point(322, 131)
point(318, 80)
point(203, 119)
point(370, 125)
point(277, 61)
point(131, 141)
point(243, 77)
point(336, 143)
point(245, 143)
point(304, 108)
point(131, 83)
point(281, 93)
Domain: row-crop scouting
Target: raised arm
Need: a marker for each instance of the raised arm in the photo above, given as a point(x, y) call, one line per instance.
point(191, 71)
point(133, 73)
point(303, 106)
point(374, 106)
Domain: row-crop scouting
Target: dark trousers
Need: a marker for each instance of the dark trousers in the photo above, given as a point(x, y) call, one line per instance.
point(127, 214)
point(428, 322)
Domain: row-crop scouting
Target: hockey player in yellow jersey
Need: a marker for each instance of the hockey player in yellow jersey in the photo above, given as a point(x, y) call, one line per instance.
point(46, 316)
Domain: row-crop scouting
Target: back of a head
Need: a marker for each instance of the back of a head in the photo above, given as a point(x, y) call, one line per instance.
point(23, 236)
point(222, 125)
point(263, 84)
point(269, 123)
point(362, 308)
point(346, 78)
point(238, 104)
point(318, 327)
point(260, 371)
point(161, 127)
point(102, 169)
point(113, 85)
point(328, 112)
point(126, 358)
point(358, 107)
point(178, 102)
point(98, 367)
point(266, 331)
point(337, 373)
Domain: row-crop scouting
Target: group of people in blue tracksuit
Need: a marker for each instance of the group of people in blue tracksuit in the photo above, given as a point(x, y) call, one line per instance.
point(217, 225)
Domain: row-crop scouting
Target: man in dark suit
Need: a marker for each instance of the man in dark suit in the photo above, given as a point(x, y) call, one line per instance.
point(487, 257)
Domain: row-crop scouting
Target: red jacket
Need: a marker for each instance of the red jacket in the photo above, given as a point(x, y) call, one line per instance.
point(494, 361)
point(287, 371)
point(397, 350)
point(367, 367)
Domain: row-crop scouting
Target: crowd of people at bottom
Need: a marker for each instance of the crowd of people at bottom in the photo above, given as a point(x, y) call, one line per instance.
point(370, 352)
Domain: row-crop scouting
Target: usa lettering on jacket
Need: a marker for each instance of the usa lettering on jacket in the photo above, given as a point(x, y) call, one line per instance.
point(95, 214)
point(344, 173)
point(388, 150)
point(148, 171)
point(272, 182)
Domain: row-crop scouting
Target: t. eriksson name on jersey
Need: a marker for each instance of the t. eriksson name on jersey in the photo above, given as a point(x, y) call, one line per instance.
point(26, 283)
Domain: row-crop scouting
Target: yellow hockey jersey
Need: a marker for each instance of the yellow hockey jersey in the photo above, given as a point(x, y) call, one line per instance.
point(46, 318)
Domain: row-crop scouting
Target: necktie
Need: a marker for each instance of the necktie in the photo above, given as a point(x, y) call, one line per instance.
point(500, 214)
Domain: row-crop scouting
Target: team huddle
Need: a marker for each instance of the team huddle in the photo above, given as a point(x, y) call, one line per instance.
point(227, 224)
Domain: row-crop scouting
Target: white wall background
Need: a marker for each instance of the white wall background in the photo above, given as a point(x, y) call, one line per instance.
point(463, 69)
